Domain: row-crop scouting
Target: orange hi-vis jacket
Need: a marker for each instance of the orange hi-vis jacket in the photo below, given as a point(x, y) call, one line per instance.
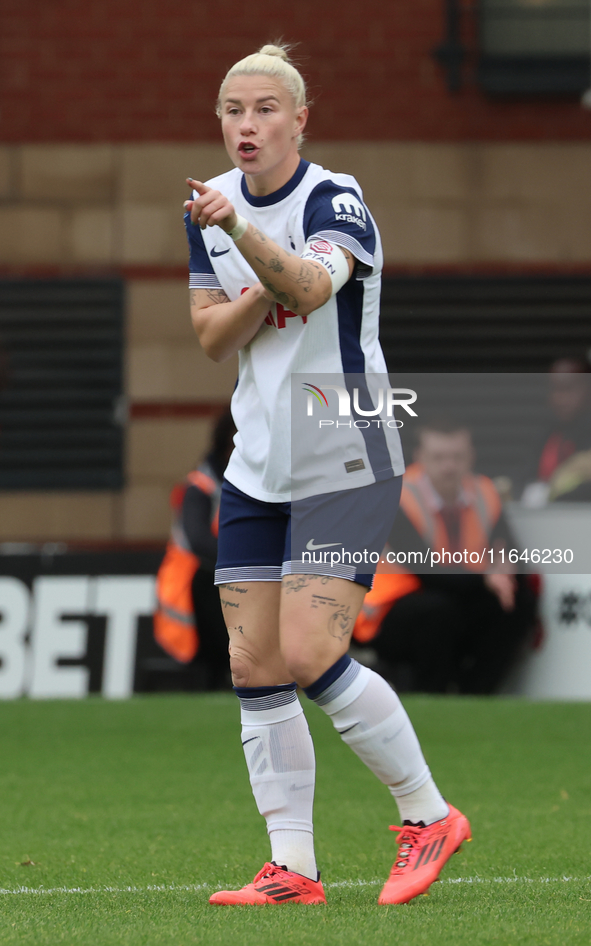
point(175, 626)
point(477, 518)
point(478, 513)
point(386, 589)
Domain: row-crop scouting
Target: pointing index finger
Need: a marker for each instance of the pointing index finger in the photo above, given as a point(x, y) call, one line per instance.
point(198, 186)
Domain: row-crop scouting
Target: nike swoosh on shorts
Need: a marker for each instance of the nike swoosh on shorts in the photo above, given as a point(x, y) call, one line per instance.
point(327, 545)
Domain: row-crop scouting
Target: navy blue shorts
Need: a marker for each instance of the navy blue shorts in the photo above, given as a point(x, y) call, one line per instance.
point(339, 534)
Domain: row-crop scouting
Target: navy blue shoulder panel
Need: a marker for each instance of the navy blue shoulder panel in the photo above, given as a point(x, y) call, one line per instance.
point(338, 213)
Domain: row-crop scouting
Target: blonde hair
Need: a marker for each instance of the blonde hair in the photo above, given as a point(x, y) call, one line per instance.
point(270, 60)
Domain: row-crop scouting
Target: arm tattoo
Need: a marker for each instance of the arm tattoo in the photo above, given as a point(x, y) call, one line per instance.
point(290, 302)
point(275, 264)
point(259, 235)
point(305, 278)
point(303, 273)
point(216, 296)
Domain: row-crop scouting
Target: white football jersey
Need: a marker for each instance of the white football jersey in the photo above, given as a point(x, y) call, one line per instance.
point(338, 339)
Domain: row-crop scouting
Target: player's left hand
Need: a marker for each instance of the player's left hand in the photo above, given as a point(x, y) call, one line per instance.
point(211, 209)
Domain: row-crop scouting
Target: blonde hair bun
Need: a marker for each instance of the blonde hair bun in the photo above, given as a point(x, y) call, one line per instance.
point(282, 52)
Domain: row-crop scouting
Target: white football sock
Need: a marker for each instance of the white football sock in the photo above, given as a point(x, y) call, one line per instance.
point(368, 714)
point(423, 804)
point(280, 759)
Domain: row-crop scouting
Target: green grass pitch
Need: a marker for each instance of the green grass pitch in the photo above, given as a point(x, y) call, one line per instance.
point(119, 820)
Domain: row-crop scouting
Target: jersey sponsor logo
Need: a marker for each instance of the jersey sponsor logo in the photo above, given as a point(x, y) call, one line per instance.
point(215, 252)
point(349, 208)
point(281, 314)
point(321, 246)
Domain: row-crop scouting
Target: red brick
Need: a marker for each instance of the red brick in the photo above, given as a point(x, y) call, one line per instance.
point(133, 70)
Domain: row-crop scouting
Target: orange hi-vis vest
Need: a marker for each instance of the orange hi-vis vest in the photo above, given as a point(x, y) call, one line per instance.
point(478, 514)
point(386, 589)
point(476, 521)
point(175, 626)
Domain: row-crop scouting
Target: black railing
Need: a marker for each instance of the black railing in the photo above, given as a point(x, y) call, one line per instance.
point(61, 384)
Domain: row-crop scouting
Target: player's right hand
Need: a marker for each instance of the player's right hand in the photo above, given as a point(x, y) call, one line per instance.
point(211, 208)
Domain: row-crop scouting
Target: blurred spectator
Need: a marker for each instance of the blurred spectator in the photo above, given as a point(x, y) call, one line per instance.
point(188, 623)
point(457, 627)
point(562, 464)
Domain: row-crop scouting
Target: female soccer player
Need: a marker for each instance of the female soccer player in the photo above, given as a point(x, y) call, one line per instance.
point(285, 264)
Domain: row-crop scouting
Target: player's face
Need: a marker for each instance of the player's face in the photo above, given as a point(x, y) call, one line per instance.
point(261, 125)
point(446, 458)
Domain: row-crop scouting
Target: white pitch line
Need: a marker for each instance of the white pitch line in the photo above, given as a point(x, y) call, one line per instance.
point(193, 888)
point(150, 888)
point(474, 880)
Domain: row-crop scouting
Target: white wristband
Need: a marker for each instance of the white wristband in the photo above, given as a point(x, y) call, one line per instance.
point(240, 229)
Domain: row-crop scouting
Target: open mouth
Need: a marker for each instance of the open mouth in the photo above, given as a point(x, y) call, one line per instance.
point(247, 148)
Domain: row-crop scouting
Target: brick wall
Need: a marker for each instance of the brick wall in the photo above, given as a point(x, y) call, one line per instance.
point(147, 70)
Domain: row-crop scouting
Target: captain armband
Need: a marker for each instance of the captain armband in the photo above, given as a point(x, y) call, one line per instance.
point(331, 257)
